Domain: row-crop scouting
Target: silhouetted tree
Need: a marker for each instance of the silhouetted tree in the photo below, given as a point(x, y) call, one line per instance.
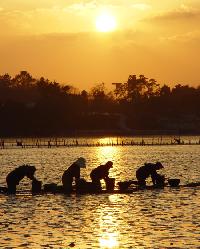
point(23, 79)
point(31, 106)
point(165, 91)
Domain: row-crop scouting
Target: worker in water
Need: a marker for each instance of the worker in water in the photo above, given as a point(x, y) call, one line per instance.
point(99, 173)
point(149, 169)
point(15, 176)
point(72, 172)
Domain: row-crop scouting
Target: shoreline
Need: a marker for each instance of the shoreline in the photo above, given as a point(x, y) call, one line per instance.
point(12, 143)
point(101, 133)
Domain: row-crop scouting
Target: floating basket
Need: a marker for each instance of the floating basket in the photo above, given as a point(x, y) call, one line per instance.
point(174, 182)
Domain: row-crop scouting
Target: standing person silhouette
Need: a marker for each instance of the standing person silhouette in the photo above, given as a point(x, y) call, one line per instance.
point(15, 176)
point(72, 172)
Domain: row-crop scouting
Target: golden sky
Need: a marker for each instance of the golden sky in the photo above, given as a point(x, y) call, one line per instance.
point(58, 39)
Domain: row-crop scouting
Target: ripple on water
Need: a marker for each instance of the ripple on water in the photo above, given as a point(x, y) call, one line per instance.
point(166, 218)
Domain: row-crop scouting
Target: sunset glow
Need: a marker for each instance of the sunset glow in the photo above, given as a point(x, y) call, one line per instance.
point(99, 41)
point(105, 22)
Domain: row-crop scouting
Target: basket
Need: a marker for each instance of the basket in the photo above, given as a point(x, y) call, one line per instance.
point(174, 182)
point(110, 184)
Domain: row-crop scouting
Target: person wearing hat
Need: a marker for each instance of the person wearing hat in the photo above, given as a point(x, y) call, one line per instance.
point(72, 172)
point(149, 169)
point(99, 173)
point(15, 176)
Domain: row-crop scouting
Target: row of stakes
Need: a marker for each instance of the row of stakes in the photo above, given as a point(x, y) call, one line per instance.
point(74, 143)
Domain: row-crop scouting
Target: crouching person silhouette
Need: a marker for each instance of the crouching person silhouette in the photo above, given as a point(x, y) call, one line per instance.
point(72, 172)
point(99, 173)
point(149, 169)
point(15, 176)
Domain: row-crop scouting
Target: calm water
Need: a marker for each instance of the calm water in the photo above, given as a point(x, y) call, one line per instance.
point(168, 218)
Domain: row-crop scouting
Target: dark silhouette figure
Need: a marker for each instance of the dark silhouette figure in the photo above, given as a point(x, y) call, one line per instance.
point(49, 144)
point(15, 176)
point(149, 169)
point(19, 143)
point(177, 140)
point(2, 144)
point(72, 172)
point(99, 173)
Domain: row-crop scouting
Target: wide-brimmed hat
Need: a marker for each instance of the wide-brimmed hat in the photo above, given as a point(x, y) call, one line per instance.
point(81, 162)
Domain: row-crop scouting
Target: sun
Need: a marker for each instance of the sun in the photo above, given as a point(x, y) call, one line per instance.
point(105, 22)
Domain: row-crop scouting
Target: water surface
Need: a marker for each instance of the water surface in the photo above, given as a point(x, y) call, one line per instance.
point(168, 218)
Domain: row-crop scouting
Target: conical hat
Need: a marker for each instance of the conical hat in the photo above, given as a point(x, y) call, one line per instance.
point(81, 162)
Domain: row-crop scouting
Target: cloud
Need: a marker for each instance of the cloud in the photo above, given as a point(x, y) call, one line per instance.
point(184, 13)
point(67, 16)
point(141, 6)
point(188, 37)
point(82, 6)
point(43, 20)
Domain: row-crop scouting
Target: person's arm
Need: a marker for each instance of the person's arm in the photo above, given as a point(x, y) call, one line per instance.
point(30, 171)
point(31, 177)
point(106, 173)
point(154, 176)
point(77, 173)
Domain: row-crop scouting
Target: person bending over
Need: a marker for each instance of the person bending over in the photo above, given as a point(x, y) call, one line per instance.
point(99, 173)
point(149, 169)
point(15, 176)
point(72, 172)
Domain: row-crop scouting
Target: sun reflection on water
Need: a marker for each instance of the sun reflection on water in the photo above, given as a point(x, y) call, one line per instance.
point(109, 232)
point(109, 240)
point(108, 151)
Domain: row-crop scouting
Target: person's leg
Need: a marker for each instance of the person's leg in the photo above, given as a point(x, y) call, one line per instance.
point(11, 188)
point(97, 184)
point(142, 183)
point(159, 181)
point(141, 179)
point(67, 186)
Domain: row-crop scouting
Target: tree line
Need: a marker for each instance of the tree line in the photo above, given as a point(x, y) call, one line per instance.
point(40, 107)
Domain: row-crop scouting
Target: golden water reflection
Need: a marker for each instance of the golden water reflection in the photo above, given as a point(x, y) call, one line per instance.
point(107, 152)
point(109, 233)
point(109, 240)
